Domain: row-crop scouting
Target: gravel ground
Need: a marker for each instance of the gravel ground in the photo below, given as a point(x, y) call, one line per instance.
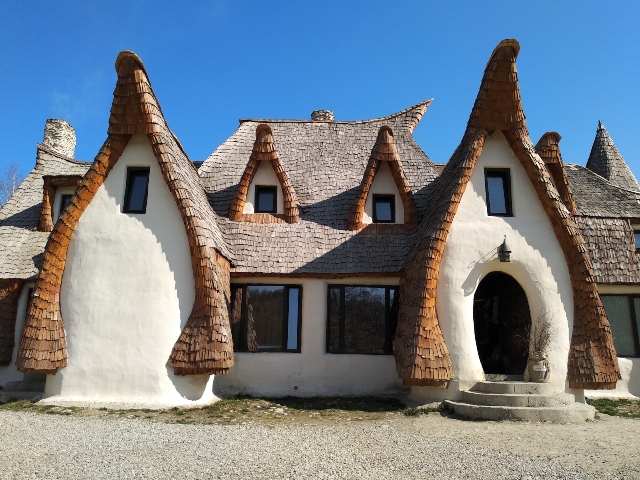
point(430, 446)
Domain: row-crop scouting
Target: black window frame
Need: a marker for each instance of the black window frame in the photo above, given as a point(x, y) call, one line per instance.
point(389, 321)
point(242, 347)
point(383, 197)
point(636, 231)
point(505, 174)
point(266, 188)
point(634, 320)
point(131, 172)
point(63, 205)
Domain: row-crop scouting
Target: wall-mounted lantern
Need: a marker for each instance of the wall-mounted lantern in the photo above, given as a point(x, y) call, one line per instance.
point(504, 254)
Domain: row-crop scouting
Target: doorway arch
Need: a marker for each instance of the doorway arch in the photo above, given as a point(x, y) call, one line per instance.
point(502, 322)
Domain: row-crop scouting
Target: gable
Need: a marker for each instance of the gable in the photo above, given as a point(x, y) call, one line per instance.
point(264, 176)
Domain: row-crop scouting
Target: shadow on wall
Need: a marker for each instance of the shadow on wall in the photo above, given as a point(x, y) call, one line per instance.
point(191, 387)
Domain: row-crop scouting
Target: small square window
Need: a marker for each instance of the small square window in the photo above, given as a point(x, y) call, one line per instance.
point(384, 209)
point(135, 198)
point(498, 189)
point(266, 199)
point(64, 201)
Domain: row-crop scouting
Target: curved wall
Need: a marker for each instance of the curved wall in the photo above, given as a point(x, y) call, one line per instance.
point(127, 291)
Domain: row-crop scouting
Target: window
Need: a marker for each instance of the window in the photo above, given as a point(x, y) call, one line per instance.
point(636, 236)
point(266, 318)
point(64, 201)
point(266, 199)
point(135, 198)
point(362, 319)
point(622, 312)
point(384, 208)
point(498, 188)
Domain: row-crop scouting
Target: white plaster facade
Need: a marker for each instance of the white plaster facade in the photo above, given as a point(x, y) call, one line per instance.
point(383, 184)
point(10, 373)
point(265, 175)
point(127, 291)
point(313, 371)
point(537, 263)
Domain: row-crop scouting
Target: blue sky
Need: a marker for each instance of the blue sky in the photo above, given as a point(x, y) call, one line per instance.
point(214, 62)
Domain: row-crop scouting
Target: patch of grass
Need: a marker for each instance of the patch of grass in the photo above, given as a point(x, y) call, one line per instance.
point(16, 405)
point(414, 412)
point(620, 407)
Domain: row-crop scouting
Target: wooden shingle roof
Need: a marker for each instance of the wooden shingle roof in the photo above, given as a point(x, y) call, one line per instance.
point(606, 161)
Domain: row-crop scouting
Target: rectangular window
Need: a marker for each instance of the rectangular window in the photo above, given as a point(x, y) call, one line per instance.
point(266, 318)
point(362, 319)
point(384, 208)
point(64, 201)
point(266, 199)
point(135, 197)
point(622, 312)
point(636, 236)
point(498, 189)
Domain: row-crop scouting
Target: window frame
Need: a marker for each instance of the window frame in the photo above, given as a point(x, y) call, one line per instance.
point(634, 321)
point(242, 348)
point(265, 188)
point(505, 174)
point(374, 210)
point(62, 204)
point(636, 231)
point(128, 187)
point(389, 334)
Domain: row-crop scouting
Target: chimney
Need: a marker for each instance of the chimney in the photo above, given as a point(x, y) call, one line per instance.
point(322, 116)
point(60, 137)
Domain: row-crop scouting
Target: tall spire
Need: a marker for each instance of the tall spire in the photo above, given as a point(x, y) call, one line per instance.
point(606, 161)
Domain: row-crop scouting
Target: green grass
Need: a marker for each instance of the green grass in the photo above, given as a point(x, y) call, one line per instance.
point(621, 407)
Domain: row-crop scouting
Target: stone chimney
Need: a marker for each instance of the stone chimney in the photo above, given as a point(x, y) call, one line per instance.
point(322, 116)
point(60, 137)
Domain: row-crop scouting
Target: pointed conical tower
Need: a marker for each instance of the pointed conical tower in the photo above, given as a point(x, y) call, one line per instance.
point(606, 161)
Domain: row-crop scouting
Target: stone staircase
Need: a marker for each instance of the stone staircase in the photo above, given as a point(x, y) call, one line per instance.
point(31, 388)
point(519, 400)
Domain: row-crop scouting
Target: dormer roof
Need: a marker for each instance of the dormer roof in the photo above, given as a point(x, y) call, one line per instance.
point(606, 161)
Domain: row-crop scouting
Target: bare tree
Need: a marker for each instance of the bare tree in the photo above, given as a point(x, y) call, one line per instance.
point(10, 179)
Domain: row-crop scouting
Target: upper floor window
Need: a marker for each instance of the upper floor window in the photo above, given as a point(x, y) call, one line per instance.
point(384, 208)
point(266, 199)
point(266, 318)
point(623, 312)
point(135, 198)
point(362, 319)
point(498, 189)
point(636, 236)
point(64, 201)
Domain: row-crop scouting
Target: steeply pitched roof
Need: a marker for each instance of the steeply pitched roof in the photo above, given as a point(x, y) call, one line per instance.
point(422, 357)
point(205, 344)
point(548, 149)
point(325, 162)
point(606, 161)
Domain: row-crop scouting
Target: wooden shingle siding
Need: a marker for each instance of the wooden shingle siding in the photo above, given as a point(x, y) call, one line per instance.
point(384, 150)
point(9, 295)
point(205, 345)
point(264, 150)
point(548, 149)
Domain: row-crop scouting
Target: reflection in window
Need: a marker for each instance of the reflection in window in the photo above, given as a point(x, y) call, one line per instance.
point(384, 209)
point(498, 188)
point(266, 199)
point(362, 319)
point(622, 312)
point(135, 198)
point(266, 318)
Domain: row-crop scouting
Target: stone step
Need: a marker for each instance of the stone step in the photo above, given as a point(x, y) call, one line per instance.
point(515, 400)
point(576, 412)
point(516, 388)
point(6, 397)
point(24, 386)
point(501, 377)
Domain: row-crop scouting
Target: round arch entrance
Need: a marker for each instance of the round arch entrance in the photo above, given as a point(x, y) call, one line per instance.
point(502, 322)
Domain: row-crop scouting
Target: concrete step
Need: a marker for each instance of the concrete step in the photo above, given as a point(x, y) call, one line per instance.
point(24, 386)
point(501, 377)
point(515, 400)
point(6, 397)
point(514, 388)
point(574, 413)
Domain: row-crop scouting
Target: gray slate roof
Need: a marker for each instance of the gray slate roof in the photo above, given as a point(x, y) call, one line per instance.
point(21, 245)
point(325, 162)
point(606, 161)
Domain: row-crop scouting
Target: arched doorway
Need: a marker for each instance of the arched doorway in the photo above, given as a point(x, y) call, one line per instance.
point(502, 322)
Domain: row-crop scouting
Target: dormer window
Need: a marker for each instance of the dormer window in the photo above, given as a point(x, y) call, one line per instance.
point(64, 201)
point(135, 198)
point(498, 190)
point(384, 208)
point(266, 199)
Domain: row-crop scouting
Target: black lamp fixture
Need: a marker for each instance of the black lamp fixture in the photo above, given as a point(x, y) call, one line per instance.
point(504, 254)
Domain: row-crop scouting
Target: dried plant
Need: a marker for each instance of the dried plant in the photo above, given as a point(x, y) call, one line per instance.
point(541, 334)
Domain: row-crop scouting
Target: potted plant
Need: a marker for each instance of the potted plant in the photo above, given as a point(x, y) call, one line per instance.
point(542, 332)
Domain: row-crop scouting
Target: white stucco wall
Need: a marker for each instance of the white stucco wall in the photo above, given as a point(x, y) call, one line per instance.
point(265, 175)
point(127, 291)
point(10, 373)
point(383, 184)
point(537, 263)
point(313, 371)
